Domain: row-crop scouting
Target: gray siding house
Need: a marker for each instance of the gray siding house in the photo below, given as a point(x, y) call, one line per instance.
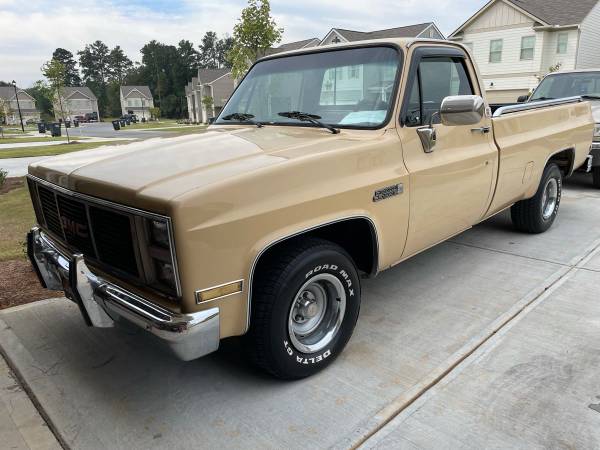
point(216, 84)
point(136, 100)
point(516, 42)
point(11, 108)
point(76, 101)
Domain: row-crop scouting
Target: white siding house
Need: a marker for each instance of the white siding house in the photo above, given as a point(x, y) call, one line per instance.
point(422, 30)
point(516, 42)
point(75, 101)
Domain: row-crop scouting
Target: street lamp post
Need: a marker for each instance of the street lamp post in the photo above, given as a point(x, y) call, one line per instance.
point(14, 83)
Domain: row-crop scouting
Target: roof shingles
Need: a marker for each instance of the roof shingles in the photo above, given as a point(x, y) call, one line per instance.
point(557, 12)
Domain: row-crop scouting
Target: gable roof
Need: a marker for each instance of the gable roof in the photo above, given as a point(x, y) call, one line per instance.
point(8, 93)
point(296, 45)
point(207, 76)
point(70, 90)
point(398, 32)
point(546, 12)
point(557, 12)
point(144, 90)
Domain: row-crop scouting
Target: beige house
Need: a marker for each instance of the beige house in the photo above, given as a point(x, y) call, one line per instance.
point(515, 42)
point(214, 86)
point(8, 101)
point(136, 100)
point(76, 101)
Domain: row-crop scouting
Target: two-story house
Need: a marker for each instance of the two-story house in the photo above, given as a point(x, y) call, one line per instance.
point(426, 30)
point(207, 93)
point(136, 100)
point(75, 101)
point(516, 42)
point(8, 101)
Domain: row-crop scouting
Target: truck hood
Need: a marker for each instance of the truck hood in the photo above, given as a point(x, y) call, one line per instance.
point(150, 173)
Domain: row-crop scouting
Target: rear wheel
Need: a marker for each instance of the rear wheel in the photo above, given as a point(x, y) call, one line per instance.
point(305, 305)
point(596, 176)
point(538, 213)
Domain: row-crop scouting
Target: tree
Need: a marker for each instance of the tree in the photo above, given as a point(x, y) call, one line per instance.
point(5, 111)
point(223, 47)
point(119, 65)
point(255, 32)
point(95, 66)
point(54, 71)
point(188, 57)
point(208, 51)
point(65, 57)
point(42, 93)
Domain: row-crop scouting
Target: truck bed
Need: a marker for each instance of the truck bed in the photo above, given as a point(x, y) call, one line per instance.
point(527, 135)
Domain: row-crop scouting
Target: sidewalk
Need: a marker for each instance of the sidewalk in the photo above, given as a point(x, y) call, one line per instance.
point(21, 426)
point(73, 138)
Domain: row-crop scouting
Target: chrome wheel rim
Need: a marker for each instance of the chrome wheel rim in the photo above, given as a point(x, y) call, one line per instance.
point(549, 198)
point(317, 313)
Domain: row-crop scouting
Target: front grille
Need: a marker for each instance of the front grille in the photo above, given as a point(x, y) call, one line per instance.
point(100, 234)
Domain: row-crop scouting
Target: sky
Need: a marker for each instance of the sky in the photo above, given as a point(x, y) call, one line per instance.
point(32, 29)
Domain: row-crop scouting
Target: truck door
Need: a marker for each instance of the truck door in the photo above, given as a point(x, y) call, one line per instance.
point(450, 184)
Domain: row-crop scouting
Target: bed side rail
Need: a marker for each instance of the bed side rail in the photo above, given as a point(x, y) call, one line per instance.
point(535, 105)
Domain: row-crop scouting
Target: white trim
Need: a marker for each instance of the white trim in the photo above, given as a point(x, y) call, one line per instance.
point(77, 90)
point(137, 90)
point(310, 42)
point(225, 74)
point(432, 24)
point(333, 30)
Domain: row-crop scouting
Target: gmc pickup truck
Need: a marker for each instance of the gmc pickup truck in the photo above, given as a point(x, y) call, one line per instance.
point(327, 164)
point(575, 83)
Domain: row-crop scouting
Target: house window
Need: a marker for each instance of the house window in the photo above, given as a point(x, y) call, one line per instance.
point(496, 51)
point(527, 48)
point(353, 72)
point(561, 43)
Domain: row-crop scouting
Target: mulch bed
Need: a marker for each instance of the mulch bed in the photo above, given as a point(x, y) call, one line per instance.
point(10, 184)
point(20, 284)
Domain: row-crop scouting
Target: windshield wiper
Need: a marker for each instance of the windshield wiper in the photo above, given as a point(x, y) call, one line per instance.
point(590, 97)
point(243, 117)
point(306, 117)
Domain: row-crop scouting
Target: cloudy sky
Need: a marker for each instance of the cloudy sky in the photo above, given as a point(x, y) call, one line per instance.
point(32, 29)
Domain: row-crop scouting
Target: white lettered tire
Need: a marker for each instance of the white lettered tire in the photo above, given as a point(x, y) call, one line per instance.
point(305, 304)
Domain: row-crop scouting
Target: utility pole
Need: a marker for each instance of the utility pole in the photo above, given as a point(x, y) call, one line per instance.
point(14, 83)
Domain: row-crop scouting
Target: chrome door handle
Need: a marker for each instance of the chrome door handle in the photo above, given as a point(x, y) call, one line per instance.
point(482, 130)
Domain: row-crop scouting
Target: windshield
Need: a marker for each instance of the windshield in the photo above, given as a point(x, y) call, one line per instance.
point(344, 88)
point(568, 85)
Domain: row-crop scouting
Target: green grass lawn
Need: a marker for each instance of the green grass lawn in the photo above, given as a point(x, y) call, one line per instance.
point(50, 150)
point(15, 225)
point(34, 139)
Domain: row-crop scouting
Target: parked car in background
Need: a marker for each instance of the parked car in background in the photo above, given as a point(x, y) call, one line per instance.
point(91, 117)
point(80, 119)
point(573, 83)
point(264, 225)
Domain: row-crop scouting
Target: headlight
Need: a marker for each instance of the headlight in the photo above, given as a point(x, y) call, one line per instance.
point(160, 254)
point(159, 233)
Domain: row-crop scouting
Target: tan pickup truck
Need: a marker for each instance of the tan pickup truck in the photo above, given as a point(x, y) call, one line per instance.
point(326, 165)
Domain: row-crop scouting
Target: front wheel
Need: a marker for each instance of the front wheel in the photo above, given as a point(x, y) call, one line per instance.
point(537, 214)
point(305, 305)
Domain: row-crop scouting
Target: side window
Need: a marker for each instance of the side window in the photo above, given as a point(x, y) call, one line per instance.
point(437, 78)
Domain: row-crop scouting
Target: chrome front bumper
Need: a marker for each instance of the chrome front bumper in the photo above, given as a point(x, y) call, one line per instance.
point(188, 336)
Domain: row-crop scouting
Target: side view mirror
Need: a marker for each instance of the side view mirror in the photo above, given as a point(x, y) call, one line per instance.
point(461, 110)
point(522, 98)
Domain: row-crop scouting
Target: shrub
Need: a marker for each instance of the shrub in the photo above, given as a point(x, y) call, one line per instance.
point(3, 174)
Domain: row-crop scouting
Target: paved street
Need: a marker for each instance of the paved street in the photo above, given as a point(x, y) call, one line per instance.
point(489, 340)
point(106, 130)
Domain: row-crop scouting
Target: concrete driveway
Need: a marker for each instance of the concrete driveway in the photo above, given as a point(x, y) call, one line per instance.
point(489, 340)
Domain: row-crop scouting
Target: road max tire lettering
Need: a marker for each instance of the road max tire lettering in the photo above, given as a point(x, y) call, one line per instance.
point(332, 267)
point(309, 360)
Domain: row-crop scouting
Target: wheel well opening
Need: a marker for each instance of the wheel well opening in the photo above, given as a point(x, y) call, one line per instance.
point(356, 236)
point(564, 160)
